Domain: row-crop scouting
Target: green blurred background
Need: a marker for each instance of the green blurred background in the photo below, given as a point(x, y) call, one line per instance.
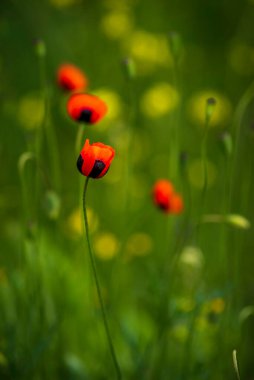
point(50, 322)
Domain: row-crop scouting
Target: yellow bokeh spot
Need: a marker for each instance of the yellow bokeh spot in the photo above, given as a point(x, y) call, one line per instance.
point(159, 100)
point(192, 256)
point(241, 58)
point(75, 224)
point(185, 304)
point(148, 50)
point(114, 104)
point(139, 244)
point(216, 305)
point(63, 3)
point(180, 332)
point(3, 360)
point(202, 324)
point(106, 246)
point(197, 108)
point(196, 173)
point(116, 24)
point(30, 111)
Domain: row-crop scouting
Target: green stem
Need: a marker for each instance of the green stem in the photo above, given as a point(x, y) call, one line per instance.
point(174, 138)
point(237, 124)
point(128, 155)
point(23, 160)
point(204, 160)
point(49, 130)
point(235, 363)
point(79, 138)
point(98, 288)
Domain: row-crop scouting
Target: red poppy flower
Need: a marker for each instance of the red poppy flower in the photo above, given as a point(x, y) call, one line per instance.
point(86, 108)
point(95, 159)
point(165, 197)
point(71, 78)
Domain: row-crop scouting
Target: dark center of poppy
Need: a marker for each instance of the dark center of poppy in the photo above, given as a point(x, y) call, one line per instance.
point(163, 205)
point(97, 168)
point(85, 115)
point(80, 163)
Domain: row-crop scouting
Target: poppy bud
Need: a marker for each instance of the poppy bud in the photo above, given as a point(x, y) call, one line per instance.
point(176, 204)
point(71, 78)
point(210, 106)
point(86, 108)
point(95, 159)
point(165, 198)
point(162, 192)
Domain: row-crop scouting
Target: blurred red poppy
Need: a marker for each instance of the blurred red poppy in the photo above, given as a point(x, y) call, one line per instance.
point(71, 78)
point(95, 159)
point(86, 108)
point(165, 197)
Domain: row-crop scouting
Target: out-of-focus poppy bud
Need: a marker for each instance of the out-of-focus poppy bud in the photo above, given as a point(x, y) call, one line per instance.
point(176, 204)
point(162, 192)
point(71, 78)
point(86, 108)
point(165, 198)
point(95, 159)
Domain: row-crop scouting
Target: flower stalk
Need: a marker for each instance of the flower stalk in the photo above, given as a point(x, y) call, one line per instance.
point(98, 288)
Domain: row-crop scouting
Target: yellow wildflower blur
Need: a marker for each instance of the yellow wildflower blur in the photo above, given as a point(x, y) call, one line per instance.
point(139, 244)
point(114, 103)
point(159, 100)
point(106, 245)
point(30, 111)
point(215, 306)
point(148, 50)
point(192, 256)
point(75, 222)
point(185, 304)
point(3, 360)
point(197, 105)
point(179, 332)
point(116, 24)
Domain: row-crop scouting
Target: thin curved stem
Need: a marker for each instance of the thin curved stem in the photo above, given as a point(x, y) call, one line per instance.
point(98, 288)
point(79, 138)
point(205, 174)
point(47, 127)
point(237, 126)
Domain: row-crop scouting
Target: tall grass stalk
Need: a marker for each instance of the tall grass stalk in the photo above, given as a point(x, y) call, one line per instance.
point(79, 138)
point(23, 160)
point(129, 68)
point(237, 129)
point(210, 104)
point(175, 47)
point(98, 288)
point(47, 125)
